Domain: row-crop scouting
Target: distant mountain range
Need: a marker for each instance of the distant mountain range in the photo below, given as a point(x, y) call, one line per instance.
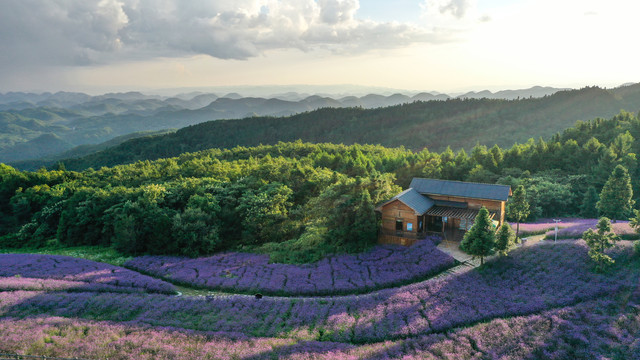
point(435, 124)
point(44, 126)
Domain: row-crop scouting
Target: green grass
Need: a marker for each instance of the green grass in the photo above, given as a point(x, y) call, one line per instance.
point(95, 253)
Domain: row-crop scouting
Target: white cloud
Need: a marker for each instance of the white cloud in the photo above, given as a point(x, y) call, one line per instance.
point(81, 32)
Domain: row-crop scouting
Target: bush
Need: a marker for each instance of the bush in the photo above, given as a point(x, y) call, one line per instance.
point(636, 247)
point(10, 241)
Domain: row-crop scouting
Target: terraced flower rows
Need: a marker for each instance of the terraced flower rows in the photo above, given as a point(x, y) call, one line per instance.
point(570, 228)
point(529, 281)
point(599, 329)
point(383, 266)
point(53, 272)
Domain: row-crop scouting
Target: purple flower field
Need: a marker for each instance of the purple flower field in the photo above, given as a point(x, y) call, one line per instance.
point(541, 226)
point(54, 272)
point(384, 266)
point(569, 228)
point(529, 281)
point(621, 228)
point(589, 330)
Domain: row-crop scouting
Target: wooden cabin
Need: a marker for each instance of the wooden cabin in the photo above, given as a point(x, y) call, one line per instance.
point(439, 206)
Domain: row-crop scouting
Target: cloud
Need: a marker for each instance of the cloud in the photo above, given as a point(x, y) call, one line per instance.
point(85, 32)
point(457, 8)
point(51, 32)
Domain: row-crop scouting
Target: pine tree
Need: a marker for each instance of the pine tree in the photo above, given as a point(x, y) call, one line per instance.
point(518, 207)
point(588, 208)
point(480, 239)
point(615, 198)
point(599, 241)
point(505, 239)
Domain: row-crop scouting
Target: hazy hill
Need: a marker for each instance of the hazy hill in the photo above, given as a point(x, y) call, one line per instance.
point(79, 151)
point(79, 119)
point(536, 91)
point(459, 123)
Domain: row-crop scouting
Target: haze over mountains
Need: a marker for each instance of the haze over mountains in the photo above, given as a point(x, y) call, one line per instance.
point(436, 124)
point(47, 125)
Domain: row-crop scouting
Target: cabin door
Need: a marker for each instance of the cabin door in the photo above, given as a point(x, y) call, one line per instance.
point(434, 223)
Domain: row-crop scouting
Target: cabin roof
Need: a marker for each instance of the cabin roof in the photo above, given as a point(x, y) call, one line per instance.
point(462, 189)
point(413, 199)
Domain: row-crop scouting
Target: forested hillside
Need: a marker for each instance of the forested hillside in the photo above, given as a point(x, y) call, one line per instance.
point(457, 123)
point(294, 200)
point(43, 126)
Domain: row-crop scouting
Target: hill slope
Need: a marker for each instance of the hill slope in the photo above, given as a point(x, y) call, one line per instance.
point(80, 119)
point(459, 123)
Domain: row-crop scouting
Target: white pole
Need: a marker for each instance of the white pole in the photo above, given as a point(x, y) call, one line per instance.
point(557, 221)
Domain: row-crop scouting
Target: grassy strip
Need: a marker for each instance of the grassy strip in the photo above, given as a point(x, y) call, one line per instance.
point(95, 253)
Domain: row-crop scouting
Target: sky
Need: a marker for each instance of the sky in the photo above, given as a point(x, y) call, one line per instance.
point(98, 46)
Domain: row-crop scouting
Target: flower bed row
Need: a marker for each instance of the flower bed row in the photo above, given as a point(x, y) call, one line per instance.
point(620, 228)
point(54, 272)
point(590, 330)
point(384, 266)
point(570, 228)
point(531, 280)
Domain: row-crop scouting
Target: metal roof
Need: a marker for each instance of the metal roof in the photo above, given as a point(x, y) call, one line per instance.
point(453, 204)
point(418, 203)
point(462, 189)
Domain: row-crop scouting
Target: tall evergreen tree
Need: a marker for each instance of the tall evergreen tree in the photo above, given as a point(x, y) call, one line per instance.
point(505, 239)
point(588, 208)
point(616, 196)
point(518, 207)
point(599, 241)
point(480, 240)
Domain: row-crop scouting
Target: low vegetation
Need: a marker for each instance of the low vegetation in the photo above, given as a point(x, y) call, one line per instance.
point(527, 282)
point(51, 272)
point(606, 328)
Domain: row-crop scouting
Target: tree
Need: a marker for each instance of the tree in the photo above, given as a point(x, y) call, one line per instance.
point(518, 207)
point(635, 221)
point(264, 213)
point(505, 239)
point(588, 208)
point(480, 239)
point(196, 230)
point(599, 241)
point(615, 198)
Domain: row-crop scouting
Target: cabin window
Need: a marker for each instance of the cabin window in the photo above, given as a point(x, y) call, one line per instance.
point(465, 224)
point(398, 225)
point(409, 226)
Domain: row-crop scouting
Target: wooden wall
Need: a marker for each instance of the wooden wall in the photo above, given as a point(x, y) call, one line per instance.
point(395, 240)
point(396, 210)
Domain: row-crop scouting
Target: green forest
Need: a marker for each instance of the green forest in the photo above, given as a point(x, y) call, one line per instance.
point(296, 201)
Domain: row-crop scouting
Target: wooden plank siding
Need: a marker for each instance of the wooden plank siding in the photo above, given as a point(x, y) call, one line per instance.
point(387, 239)
point(396, 210)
